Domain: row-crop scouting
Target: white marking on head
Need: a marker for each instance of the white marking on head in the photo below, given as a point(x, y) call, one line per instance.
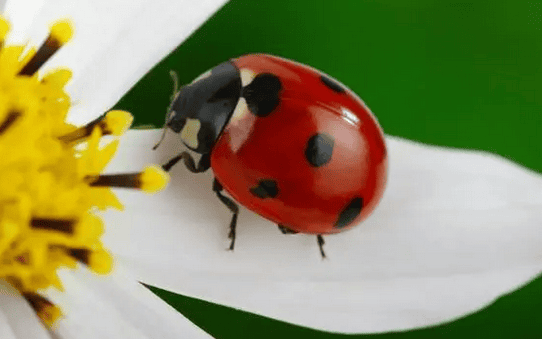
point(189, 133)
point(240, 110)
point(202, 76)
point(240, 125)
point(247, 76)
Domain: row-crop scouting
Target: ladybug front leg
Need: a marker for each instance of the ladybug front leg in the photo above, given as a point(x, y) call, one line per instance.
point(203, 164)
point(321, 243)
point(232, 206)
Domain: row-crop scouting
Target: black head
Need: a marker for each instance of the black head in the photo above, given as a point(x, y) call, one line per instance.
point(202, 108)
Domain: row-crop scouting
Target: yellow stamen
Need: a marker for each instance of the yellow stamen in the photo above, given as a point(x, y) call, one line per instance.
point(113, 123)
point(64, 226)
point(117, 122)
point(61, 31)
point(150, 180)
point(9, 120)
point(153, 179)
point(46, 311)
point(100, 262)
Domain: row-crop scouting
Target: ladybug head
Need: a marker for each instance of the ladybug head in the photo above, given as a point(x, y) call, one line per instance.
point(202, 108)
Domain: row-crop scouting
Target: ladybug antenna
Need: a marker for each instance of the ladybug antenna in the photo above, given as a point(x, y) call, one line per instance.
point(175, 79)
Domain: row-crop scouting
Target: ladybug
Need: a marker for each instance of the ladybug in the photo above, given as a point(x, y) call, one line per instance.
point(284, 140)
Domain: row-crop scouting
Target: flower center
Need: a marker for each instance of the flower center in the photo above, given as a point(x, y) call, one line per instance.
point(51, 185)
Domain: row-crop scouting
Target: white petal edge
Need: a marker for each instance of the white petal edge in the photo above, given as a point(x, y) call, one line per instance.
point(115, 307)
point(115, 43)
point(17, 318)
point(455, 230)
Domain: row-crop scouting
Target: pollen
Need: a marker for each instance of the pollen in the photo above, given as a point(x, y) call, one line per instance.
point(118, 122)
point(153, 179)
point(52, 189)
point(61, 31)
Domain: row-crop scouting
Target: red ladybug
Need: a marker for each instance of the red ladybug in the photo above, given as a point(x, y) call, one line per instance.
point(284, 140)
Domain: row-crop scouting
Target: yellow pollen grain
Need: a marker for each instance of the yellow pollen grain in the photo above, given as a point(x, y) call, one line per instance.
point(153, 179)
point(61, 31)
point(118, 122)
point(100, 262)
point(49, 315)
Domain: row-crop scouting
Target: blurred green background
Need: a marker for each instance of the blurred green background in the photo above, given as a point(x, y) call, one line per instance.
point(463, 74)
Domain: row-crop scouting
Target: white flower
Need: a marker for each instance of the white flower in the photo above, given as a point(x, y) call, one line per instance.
point(455, 230)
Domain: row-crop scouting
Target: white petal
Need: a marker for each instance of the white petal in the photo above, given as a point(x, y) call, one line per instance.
point(115, 43)
point(454, 231)
point(17, 319)
point(116, 307)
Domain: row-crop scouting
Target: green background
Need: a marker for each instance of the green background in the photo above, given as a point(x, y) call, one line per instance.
point(463, 74)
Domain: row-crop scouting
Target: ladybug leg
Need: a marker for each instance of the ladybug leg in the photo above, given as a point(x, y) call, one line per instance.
point(203, 164)
point(286, 230)
point(232, 206)
point(321, 243)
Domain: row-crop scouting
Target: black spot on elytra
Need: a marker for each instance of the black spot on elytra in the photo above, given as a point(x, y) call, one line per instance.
point(332, 84)
point(266, 189)
point(263, 94)
point(319, 149)
point(349, 213)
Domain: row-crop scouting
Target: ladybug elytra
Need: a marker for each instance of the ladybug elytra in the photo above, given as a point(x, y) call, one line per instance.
point(284, 140)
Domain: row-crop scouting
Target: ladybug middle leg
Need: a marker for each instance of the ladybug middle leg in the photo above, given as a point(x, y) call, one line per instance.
point(232, 206)
point(203, 164)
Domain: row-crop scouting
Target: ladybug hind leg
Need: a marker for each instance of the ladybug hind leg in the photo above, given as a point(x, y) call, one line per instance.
point(232, 206)
point(319, 238)
point(203, 164)
point(321, 242)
